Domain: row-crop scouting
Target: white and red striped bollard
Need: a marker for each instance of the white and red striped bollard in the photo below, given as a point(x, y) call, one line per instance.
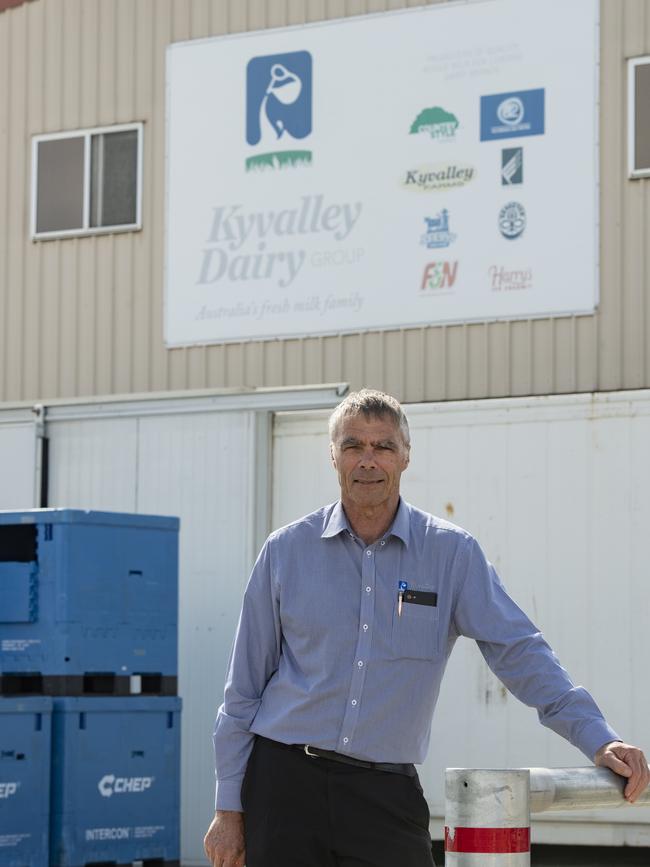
point(487, 818)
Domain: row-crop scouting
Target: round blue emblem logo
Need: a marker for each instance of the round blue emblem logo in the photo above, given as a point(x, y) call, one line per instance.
point(512, 220)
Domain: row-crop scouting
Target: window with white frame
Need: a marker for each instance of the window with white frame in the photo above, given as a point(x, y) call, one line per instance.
point(638, 117)
point(87, 181)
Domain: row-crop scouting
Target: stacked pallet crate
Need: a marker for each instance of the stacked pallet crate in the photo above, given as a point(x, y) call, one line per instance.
point(89, 718)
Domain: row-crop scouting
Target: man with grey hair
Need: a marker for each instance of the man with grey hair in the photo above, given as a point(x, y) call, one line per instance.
point(348, 620)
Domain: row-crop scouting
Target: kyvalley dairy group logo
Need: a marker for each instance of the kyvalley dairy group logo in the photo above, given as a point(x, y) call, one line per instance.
point(438, 277)
point(437, 123)
point(444, 176)
point(244, 246)
point(278, 109)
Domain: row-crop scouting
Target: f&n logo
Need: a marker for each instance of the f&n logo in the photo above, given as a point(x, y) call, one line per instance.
point(438, 277)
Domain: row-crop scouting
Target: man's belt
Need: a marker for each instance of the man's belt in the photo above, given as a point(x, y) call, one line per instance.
point(391, 768)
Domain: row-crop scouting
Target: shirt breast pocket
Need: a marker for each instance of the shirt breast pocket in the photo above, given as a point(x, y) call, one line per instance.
point(416, 633)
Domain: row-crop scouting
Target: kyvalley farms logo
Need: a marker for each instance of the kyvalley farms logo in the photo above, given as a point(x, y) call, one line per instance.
point(438, 278)
point(508, 280)
point(444, 176)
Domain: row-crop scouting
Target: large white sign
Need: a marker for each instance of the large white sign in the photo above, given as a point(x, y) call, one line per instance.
point(426, 166)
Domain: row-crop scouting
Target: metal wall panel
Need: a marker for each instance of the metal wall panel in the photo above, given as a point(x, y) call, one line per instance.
point(202, 467)
point(557, 491)
point(84, 316)
point(18, 451)
point(93, 464)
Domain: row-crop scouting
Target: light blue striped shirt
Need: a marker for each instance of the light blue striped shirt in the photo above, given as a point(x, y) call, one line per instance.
point(322, 657)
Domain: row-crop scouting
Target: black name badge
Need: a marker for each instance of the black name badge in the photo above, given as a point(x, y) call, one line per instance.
point(421, 597)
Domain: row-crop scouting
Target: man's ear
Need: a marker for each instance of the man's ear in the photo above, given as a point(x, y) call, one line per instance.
point(332, 458)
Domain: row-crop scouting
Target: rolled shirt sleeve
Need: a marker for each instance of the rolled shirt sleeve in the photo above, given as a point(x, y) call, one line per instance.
point(253, 660)
point(517, 653)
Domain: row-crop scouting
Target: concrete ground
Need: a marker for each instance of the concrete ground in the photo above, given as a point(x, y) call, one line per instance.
point(577, 856)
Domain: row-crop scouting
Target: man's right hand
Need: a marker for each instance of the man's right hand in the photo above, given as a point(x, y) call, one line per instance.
point(224, 842)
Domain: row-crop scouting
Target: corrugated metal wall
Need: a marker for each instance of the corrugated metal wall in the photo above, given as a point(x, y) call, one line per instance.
point(84, 316)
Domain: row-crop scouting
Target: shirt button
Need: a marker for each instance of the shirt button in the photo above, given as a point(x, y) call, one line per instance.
point(365, 627)
point(360, 663)
point(368, 553)
point(368, 589)
point(382, 544)
point(345, 740)
point(354, 702)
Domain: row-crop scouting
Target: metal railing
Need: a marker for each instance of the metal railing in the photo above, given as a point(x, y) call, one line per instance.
point(487, 812)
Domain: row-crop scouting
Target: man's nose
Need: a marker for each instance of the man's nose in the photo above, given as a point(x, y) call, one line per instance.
point(368, 458)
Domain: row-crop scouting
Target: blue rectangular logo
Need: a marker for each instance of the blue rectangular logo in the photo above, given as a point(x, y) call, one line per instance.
point(512, 115)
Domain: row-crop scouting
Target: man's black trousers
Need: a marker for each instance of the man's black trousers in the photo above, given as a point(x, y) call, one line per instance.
point(312, 812)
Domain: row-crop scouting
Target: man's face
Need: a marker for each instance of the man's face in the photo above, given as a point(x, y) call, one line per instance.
point(369, 455)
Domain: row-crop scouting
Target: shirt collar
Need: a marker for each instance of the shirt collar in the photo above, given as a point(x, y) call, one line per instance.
point(402, 523)
point(338, 522)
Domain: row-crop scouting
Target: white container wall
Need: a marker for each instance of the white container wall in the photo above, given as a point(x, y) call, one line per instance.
point(18, 459)
point(557, 490)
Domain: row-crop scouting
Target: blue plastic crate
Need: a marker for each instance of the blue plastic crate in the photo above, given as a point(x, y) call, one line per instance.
point(84, 594)
point(115, 780)
point(25, 731)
